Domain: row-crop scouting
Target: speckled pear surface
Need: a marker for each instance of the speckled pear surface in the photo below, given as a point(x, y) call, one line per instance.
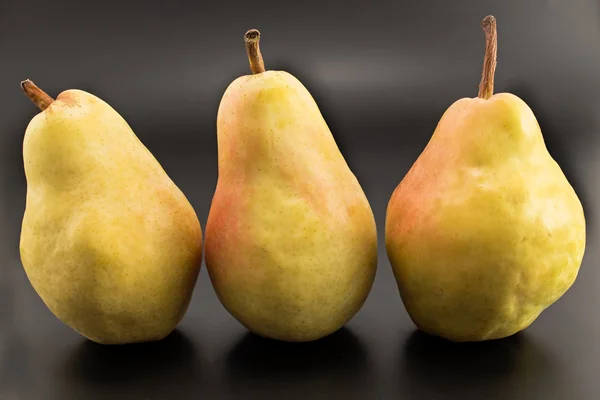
point(108, 241)
point(291, 244)
point(485, 231)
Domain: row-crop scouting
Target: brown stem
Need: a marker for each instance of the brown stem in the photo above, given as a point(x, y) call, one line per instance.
point(486, 86)
point(252, 39)
point(36, 95)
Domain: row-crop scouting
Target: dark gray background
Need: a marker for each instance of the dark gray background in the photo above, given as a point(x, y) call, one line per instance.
point(382, 73)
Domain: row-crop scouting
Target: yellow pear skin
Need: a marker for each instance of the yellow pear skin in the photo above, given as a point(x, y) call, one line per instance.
point(108, 241)
point(485, 231)
point(291, 243)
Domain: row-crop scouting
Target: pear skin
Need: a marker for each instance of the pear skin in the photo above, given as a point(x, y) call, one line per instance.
point(291, 243)
point(108, 241)
point(484, 232)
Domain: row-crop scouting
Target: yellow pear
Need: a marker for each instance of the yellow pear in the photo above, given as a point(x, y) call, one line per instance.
point(108, 241)
point(291, 243)
point(484, 232)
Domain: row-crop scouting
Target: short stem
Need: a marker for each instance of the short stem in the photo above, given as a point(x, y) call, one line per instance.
point(252, 39)
point(486, 86)
point(36, 95)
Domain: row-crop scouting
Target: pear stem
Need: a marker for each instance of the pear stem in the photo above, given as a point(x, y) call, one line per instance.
point(36, 95)
point(486, 86)
point(252, 39)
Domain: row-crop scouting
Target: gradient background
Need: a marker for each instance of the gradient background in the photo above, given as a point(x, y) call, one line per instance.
point(382, 72)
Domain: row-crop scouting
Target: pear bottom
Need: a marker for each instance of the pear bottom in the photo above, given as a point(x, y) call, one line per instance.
point(139, 324)
point(131, 337)
point(466, 333)
point(478, 309)
point(298, 313)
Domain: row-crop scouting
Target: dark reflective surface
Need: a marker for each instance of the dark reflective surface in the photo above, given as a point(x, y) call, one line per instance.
point(336, 366)
point(515, 367)
point(383, 73)
point(171, 366)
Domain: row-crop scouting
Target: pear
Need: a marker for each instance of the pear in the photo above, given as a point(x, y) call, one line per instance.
point(110, 244)
point(484, 232)
point(291, 243)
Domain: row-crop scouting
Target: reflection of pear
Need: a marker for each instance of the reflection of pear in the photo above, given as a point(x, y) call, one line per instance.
point(518, 367)
point(108, 241)
point(336, 366)
point(291, 245)
point(485, 231)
